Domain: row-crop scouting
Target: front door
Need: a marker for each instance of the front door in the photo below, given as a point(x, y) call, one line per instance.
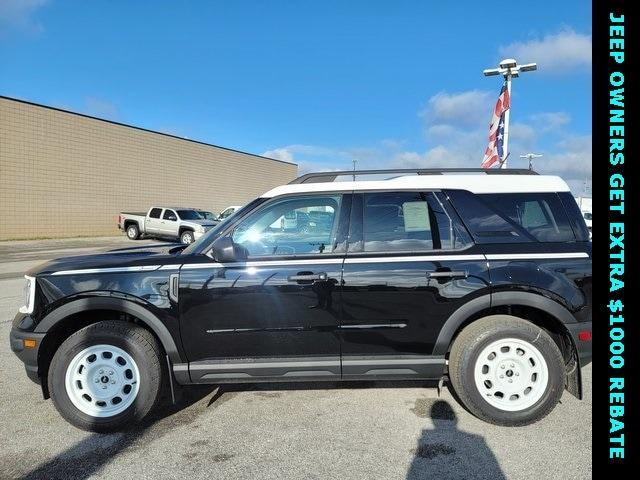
point(410, 265)
point(169, 223)
point(275, 316)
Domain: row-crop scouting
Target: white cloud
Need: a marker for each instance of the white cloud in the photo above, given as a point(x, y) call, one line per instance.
point(290, 153)
point(550, 120)
point(279, 154)
point(17, 15)
point(554, 53)
point(456, 126)
point(571, 159)
point(522, 132)
point(462, 108)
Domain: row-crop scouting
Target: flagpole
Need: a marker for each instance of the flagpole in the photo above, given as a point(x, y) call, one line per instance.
point(509, 69)
point(507, 116)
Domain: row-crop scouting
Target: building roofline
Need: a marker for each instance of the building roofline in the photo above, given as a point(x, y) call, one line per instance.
point(27, 102)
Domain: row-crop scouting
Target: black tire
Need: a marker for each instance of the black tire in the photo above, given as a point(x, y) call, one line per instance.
point(480, 334)
point(187, 237)
point(137, 342)
point(133, 232)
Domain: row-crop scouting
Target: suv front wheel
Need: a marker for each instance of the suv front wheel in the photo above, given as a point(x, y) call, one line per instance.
point(506, 370)
point(106, 376)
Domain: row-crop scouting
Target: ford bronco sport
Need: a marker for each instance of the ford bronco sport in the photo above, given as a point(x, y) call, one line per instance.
point(480, 276)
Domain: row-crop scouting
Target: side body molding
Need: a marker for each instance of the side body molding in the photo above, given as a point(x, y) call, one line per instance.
point(118, 304)
point(493, 300)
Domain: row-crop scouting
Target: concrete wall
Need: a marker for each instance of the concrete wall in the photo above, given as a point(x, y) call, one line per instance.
point(64, 174)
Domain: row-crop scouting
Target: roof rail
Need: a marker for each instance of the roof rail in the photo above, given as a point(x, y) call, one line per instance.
point(325, 177)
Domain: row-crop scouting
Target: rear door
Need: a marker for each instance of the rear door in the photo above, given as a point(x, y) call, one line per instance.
point(277, 314)
point(153, 221)
point(410, 264)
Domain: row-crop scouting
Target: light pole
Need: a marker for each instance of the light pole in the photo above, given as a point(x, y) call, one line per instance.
point(530, 157)
point(354, 168)
point(509, 69)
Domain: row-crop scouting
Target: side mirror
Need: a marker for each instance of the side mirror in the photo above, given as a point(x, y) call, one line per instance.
point(225, 250)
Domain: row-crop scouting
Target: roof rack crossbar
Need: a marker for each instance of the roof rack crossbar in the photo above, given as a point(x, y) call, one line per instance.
point(326, 177)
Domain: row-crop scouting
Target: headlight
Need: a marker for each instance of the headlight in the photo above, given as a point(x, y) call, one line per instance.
point(29, 295)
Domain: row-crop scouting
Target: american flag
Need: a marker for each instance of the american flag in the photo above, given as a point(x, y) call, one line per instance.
point(494, 150)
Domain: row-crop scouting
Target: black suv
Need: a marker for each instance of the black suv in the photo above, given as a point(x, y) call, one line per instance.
point(481, 276)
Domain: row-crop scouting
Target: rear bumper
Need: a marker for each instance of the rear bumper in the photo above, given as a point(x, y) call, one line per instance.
point(28, 355)
point(583, 347)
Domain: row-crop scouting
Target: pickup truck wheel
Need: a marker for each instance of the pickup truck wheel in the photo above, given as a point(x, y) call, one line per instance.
point(133, 232)
point(106, 376)
point(506, 370)
point(186, 237)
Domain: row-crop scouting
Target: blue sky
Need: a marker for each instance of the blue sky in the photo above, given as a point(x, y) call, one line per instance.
point(391, 84)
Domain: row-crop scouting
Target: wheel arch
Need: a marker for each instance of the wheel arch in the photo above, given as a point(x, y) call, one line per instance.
point(71, 317)
point(128, 223)
point(536, 308)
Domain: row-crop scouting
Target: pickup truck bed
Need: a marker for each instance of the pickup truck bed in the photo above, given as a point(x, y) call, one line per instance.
point(140, 214)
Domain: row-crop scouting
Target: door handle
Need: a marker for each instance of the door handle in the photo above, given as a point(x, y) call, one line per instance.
point(307, 277)
point(448, 274)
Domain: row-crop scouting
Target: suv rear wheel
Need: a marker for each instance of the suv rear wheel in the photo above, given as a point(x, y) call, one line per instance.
point(106, 376)
point(506, 370)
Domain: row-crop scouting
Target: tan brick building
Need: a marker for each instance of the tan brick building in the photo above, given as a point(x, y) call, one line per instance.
point(63, 174)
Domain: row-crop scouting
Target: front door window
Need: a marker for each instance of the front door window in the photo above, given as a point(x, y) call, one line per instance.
point(294, 226)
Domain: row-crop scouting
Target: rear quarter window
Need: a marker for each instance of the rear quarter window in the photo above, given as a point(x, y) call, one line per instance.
point(575, 216)
point(514, 217)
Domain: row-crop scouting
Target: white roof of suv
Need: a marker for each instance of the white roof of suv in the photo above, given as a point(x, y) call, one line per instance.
point(474, 183)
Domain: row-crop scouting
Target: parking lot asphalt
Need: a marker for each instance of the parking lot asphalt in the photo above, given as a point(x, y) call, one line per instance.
point(369, 430)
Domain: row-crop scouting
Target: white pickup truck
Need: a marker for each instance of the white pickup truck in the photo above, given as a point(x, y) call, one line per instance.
point(183, 224)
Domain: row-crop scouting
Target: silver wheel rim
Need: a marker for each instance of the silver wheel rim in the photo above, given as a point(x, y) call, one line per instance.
point(511, 374)
point(131, 232)
point(102, 381)
point(186, 238)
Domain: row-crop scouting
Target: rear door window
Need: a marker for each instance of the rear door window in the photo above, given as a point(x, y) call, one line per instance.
point(407, 221)
point(155, 213)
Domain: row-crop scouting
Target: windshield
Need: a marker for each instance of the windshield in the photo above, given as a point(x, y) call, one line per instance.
point(189, 215)
point(215, 232)
point(207, 215)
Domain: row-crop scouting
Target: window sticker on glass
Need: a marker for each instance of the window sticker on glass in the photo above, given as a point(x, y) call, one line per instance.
point(416, 217)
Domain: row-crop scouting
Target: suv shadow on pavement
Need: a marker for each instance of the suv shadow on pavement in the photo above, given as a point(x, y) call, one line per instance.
point(448, 453)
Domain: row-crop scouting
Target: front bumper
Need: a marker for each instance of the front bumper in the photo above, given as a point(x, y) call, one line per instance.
point(583, 347)
point(28, 355)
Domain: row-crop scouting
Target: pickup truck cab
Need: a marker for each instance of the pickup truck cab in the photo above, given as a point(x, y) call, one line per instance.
point(174, 223)
point(482, 278)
